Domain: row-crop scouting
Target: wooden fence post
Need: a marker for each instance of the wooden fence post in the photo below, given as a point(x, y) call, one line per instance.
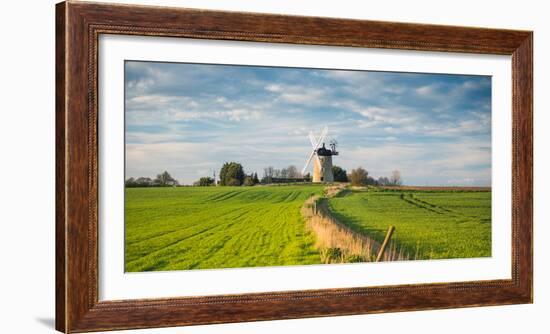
point(385, 243)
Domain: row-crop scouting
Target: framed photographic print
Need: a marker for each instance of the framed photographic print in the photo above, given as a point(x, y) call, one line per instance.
point(222, 167)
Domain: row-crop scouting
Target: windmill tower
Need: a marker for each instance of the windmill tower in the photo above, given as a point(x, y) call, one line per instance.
point(322, 158)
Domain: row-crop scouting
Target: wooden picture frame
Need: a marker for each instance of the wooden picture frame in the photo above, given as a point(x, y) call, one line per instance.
point(78, 27)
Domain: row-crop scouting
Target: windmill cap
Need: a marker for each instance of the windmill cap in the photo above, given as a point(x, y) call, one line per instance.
point(323, 151)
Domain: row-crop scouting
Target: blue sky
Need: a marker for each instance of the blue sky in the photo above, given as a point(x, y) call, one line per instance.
point(189, 119)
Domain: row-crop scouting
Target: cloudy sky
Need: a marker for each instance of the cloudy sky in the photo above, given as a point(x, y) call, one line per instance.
point(189, 119)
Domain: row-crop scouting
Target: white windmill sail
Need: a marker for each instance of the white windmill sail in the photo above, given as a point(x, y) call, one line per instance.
point(315, 145)
point(308, 161)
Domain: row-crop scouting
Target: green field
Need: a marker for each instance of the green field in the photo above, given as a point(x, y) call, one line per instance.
point(227, 227)
point(217, 227)
point(429, 224)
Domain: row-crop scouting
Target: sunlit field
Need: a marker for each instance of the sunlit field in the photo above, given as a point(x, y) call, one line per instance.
point(429, 224)
point(180, 228)
point(217, 227)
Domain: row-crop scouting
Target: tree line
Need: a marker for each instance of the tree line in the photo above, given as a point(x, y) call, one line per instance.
point(232, 174)
point(162, 180)
point(288, 173)
point(361, 177)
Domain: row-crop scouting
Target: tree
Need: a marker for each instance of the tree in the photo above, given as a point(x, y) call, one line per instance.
point(255, 178)
point(144, 182)
point(139, 182)
point(232, 174)
point(383, 181)
point(371, 181)
point(165, 180)
point(340, 175)
point(131, 182)
point(232, 182)
point(395, 178)
point(358, 177)
point(293, 172)
point(204, 182)
point(268, 174)
point(248, 181)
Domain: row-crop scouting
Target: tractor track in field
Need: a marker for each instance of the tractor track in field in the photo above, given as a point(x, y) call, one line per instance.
point(187, 237)
point(437, 207)
point(413, 200)
point(226, 196)
point(291, 197)
point(167, 233)
point(408, 198)
point(179, 241)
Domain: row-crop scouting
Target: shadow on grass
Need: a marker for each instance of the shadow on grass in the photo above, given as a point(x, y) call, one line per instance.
point(355, 225)
point(378, 235)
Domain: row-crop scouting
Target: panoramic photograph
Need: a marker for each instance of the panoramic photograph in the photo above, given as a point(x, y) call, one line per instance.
point(232, 166)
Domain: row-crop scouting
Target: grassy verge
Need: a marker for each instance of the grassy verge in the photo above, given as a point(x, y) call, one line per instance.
point(338, 243)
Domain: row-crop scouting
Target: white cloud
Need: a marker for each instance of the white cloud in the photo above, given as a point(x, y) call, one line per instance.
point(239, 114)
point(355, 77)
point(425, 90)
point(297, 93)
point(162, 109)
point(471, 84)
point(302, 97)
point(141, 84)
point(400, 119)
point(158, 102)
point(273, 88)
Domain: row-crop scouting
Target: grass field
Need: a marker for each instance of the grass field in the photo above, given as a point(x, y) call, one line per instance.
point(429, 224)
point(217, 227)
point(227, 227)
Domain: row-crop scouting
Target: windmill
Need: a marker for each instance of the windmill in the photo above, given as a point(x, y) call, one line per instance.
point(322, 157)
